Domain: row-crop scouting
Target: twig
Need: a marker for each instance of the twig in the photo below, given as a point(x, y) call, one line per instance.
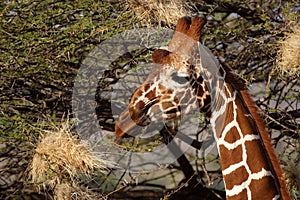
point(280, 124)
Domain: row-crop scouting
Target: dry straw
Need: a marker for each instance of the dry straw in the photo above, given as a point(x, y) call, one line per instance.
point(158, 11)
point(288, 59)
point(67, 191)
point(60, 157)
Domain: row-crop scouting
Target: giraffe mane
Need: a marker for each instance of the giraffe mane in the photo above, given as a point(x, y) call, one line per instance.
point(266, 140)
point(234, 79)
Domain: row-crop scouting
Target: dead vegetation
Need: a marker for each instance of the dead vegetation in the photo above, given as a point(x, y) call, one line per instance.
point(59, 159)
point(288, 57)
point(161, 12)
point(72, 191)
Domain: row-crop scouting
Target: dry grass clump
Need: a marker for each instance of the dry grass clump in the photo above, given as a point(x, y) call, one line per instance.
point(288, 58)
point(67, 191)
point(60, 157)
point(158, 11)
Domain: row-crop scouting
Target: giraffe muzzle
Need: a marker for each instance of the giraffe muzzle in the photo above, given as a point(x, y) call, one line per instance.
point(126, 127)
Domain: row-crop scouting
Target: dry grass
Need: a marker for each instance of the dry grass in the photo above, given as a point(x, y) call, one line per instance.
point(158, 11)
point(60, 157)
point(288, 58)
point(67, 191)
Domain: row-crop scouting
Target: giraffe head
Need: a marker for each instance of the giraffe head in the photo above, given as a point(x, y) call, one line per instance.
point(173, 87)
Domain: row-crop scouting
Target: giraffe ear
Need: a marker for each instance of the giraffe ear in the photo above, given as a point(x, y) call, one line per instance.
point(159, 55)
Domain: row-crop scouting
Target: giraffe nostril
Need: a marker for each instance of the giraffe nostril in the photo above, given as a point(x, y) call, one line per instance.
point(179, 79)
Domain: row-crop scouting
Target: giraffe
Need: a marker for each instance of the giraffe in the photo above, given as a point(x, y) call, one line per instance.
point(249, 165)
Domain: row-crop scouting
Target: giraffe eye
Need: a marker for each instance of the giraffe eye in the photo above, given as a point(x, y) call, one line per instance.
point(179, 78)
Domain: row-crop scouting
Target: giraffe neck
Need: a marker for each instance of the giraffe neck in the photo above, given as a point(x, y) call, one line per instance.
point(249, 165)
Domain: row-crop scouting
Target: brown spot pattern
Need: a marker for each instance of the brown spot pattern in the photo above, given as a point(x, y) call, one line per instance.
point(232, 136)
point(236, 178)
point(151, 94)
point(229, 157)
point(258, 188)
point(256, 156)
